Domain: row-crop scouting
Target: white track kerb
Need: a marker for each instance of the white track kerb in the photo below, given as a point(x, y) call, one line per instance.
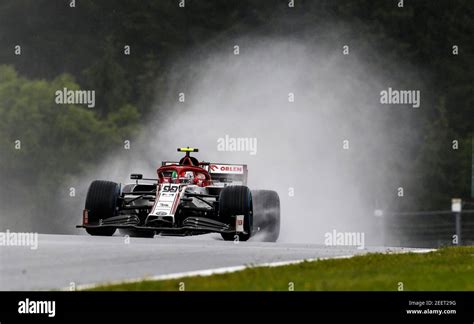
point(210, 272)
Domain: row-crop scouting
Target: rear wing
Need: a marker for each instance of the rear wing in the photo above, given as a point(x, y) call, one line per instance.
point(226, 174)
point(222, 173)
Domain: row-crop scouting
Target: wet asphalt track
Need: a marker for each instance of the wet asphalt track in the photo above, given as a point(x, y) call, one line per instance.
point(82, 259)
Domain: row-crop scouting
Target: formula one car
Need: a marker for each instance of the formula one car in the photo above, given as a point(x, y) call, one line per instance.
point(188, 198)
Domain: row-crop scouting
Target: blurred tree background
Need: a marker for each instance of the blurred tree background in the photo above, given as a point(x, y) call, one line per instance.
point(82, 48)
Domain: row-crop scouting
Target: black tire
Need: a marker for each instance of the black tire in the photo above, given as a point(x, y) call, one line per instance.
point(266, 217)
point(101, 203)
point(137, 233)
point(236, 200)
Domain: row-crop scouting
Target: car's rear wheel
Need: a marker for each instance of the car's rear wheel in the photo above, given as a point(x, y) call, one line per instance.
point(236, 200)
point(266, 217)
point(101, 203)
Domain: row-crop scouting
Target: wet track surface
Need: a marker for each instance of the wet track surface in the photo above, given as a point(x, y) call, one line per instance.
point(82, 259)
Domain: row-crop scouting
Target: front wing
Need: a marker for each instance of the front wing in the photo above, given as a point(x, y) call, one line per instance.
point(191, 225)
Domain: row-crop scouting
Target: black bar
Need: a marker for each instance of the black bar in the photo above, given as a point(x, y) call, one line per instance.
point(117, 305)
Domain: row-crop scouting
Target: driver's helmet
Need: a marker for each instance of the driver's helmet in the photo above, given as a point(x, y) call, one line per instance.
point(187, 177)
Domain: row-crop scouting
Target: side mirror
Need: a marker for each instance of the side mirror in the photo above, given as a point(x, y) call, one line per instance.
point(136, 176)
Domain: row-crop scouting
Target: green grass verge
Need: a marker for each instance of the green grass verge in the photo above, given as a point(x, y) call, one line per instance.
point(449, 268)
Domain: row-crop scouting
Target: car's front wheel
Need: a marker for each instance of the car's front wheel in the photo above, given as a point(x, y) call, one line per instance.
point(101, 203)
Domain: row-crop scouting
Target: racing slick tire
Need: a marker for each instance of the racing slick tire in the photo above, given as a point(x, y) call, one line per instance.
point(266, 217)
point(101, 203)
point(236, 200)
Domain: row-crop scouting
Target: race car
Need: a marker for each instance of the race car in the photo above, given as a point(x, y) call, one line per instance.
point(187, 198)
